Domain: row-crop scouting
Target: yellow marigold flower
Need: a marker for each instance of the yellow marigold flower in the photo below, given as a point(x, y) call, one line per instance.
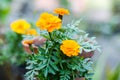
point(48, 22)
point(20, 26)
point(70, 48)
point(61, 11)
point(31, 32)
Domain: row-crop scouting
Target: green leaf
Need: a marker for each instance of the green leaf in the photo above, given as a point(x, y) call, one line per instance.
point(54, 67)
point(30, 75)
point(51, 70)
point(41, 50)
point(29, 67)
point(54, 58)
point(41, 66)
point(65, 75)
point(46, 72)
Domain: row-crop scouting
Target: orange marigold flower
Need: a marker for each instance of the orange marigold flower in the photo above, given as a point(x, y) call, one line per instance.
point(61, 11)
point(70, 48)
point(31, 32)
point(20, 26)
point(48, 22)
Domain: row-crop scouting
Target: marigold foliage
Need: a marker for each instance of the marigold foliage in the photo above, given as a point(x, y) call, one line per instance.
point(20, 26)
point(61, 11)
point(70, 48)
point(48, 22)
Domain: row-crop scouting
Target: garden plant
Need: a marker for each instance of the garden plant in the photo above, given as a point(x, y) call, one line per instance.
point(65, 53)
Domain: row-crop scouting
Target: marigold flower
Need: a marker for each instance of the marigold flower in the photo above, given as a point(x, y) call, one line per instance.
point(31, 32)
point(48, 22)
point(70, 48)
point(20, 26)
point(61, 11)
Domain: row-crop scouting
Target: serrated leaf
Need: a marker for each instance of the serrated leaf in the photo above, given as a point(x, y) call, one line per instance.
point(51, 70)
point(40, 57)
point(46, 72)
point(41, 50)
point(54, 67)
point(41, 66)
point(29, 67)
point(54, 58)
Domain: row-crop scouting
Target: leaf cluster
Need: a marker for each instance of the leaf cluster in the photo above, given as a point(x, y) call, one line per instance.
point(13, 51)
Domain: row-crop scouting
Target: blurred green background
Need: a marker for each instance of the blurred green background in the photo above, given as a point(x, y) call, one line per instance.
point(100, 18)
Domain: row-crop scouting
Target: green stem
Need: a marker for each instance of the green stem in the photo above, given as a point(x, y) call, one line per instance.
point(31, 48)
point(50, 35)
point(49, 56)
point(73, 75)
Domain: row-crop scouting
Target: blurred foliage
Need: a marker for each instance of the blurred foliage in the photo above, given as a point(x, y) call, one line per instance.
point(4, 9)
point(110, 27)
point(115, 21)
point(101, 28)
point(113, 75)
point(64, 3)
point(116, 7)
point(13, 51)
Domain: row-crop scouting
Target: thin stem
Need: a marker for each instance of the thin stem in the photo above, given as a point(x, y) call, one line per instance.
point(60, 16)
point(49, 58)
point(50, 36)
point(73, 75)
point(31, 48)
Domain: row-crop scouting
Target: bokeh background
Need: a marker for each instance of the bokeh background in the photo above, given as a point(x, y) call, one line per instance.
point(100, 18)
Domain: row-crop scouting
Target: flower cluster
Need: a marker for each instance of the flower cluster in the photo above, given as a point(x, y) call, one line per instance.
point(59, 57)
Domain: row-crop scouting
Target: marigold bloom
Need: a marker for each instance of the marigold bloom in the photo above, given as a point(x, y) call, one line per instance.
point(70, 48)
point(48, 22)
point(31, 32)
point(20, 26)
point(61, 11)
